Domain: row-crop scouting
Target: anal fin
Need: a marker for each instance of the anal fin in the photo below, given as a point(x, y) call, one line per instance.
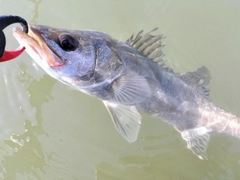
point(197, 140)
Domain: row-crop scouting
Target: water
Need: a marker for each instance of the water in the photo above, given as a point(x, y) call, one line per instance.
point(49, 131)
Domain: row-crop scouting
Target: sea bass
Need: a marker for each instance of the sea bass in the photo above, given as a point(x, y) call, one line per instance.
point(131, 78)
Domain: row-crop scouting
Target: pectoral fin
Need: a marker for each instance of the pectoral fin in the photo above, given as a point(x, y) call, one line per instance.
point(126, 119)
point(130, 89)
point(197, 140)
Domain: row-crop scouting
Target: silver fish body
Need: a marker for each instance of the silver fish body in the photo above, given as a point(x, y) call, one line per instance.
point(131, 78)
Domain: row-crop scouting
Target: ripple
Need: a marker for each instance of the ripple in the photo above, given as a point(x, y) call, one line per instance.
point(14, 105)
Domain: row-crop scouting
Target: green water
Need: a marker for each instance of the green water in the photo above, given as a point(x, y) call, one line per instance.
point(50, 131)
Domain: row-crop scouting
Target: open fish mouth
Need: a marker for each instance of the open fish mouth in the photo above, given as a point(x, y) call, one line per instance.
point(37, 47)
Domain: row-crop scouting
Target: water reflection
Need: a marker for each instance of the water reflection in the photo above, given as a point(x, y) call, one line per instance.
point(27, 153)
point(35, 11)
point(156, 161)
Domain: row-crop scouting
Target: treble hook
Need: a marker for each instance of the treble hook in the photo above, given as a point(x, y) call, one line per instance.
point(4, 22)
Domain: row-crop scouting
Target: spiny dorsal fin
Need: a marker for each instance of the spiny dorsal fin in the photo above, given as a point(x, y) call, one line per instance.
point(199, 78)
point(149, 45)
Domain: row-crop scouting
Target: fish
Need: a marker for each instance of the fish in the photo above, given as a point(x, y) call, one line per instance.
point(131, 78)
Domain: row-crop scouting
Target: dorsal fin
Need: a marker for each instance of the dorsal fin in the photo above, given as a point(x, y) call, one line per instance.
point(199, 78)
point(149, 45)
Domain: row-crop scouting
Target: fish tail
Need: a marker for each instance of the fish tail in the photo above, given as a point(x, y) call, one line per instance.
point(231, 127)
point(213, 119)
point(225, 122)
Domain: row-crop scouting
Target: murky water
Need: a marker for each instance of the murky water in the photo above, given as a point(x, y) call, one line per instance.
point(49, 131)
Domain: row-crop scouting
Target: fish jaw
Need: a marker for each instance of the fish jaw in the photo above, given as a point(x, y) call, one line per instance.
point(37, 48)
point(44, 45)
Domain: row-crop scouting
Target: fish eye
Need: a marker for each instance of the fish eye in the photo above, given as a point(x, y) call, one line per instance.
point(67, 42)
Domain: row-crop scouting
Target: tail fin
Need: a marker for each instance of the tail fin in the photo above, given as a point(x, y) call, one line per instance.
point(225, 122)
point(213, 119)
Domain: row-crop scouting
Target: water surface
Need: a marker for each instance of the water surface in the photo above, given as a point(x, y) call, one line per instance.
point(50, 131)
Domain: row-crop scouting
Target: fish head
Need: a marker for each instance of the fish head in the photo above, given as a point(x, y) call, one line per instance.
point(77, 58)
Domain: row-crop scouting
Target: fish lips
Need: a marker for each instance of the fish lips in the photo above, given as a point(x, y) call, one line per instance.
point(34, 41)
point(52, 57)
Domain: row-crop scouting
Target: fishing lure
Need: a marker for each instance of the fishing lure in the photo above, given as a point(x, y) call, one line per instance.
point(4, 22)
